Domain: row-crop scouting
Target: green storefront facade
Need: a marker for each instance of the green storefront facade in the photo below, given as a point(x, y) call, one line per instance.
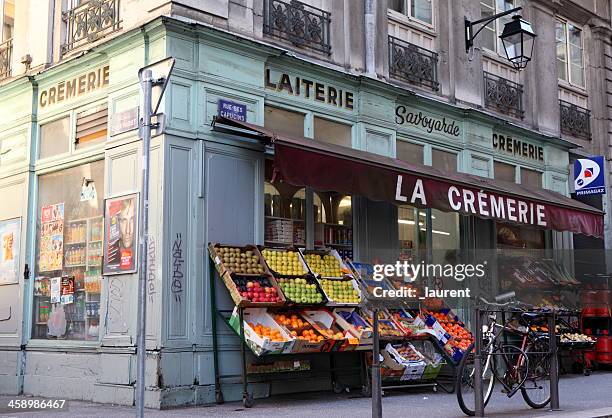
point(206, 186)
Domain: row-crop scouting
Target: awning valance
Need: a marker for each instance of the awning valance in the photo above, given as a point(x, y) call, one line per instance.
point(327, 167)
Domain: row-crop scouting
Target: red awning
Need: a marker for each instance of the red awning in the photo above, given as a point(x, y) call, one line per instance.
point(326, 167)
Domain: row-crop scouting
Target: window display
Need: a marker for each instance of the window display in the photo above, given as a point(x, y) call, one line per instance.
point(69, 253)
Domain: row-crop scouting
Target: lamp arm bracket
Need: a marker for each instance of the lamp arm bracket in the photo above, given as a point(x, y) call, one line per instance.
point(469, 25)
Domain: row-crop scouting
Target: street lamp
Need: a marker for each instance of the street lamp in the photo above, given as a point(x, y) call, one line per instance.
point(517, 37)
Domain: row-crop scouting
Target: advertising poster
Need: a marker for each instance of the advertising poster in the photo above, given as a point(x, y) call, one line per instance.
point(120, 234)
point(55, 289)
point(10, 231)
point(67, 290)
point(51, 252)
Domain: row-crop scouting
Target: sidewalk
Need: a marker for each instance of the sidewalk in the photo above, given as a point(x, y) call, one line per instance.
point(581, 397)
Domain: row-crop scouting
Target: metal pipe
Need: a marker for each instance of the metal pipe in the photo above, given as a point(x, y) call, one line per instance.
point(554, 366)
point(376, 383)
point(370, 38)
point(147, 85)
point(478, 398)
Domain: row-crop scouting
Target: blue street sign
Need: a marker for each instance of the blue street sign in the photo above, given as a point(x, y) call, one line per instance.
point(232, 110)
point(589, 178)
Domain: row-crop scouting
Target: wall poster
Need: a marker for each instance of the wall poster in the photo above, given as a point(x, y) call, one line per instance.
point(10, 233)
point(51, 253)
point(120, 234)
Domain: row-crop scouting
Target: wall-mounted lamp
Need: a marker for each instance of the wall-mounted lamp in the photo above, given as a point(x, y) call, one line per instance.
point(517, 37)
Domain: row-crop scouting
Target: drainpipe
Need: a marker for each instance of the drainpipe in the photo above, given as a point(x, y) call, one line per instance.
point(370, 38)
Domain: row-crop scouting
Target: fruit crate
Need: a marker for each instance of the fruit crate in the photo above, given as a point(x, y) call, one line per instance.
point(294, 323)
point(270, 256)
point(328, 325)
point(344, 271)
point(337, 286)
point(244, 260)
point(261, 345)
point(296, 283)
point(233, 283)
point(350, 319)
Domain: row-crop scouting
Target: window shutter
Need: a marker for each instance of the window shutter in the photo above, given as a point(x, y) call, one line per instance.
point(91, 125)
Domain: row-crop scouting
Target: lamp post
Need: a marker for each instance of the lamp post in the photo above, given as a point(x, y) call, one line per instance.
point(517, 37)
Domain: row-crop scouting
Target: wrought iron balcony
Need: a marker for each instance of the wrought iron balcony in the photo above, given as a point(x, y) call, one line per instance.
point(412, 63)
point(90, 21)
point(574, 120)
point(6, 54)
point(503, 95)
point(298, 23)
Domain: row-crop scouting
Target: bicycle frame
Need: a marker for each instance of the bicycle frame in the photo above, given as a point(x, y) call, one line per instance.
point(494, 344)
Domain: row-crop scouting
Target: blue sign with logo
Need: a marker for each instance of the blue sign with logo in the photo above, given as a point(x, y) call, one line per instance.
point(232, 110)
point(589, 176)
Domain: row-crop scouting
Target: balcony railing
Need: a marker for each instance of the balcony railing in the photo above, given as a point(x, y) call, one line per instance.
point(574, 120)
point(90, 21)
point(412, 63)
point(503, 95)
point(6, 54)
point(298, 23)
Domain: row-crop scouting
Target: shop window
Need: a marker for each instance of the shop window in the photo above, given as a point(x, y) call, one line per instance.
point(69, 231)
point(505, 172)
point(421, 10)
point(512, 237)
point(284, 122)
point(54, 138)
point(410, 232)
point(490, 33)
point(409, 152)
point(91, 127)
point(570, 53)
point(332, 132)
point(335, 228)
point(531, 178)
point(443, 160)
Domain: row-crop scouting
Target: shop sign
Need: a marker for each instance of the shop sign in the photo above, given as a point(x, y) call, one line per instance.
point(589, 178)
point(476, 202)
point(517, 147)
point(309, 89)
point(232, 110)
point(428, 123)
point(120, 234)
point(75, 87)
point(10, 233)
point(125, 121)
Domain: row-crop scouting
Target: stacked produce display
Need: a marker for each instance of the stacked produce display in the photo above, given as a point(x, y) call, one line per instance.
point(302, 301)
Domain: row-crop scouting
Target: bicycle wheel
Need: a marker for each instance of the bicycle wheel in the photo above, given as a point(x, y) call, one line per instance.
point(536, 389)
point(513, 367)
point(465, 380)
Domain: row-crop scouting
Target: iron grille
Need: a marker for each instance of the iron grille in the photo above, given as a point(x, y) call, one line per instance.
point(503, 95)
point(90, 21)
point(574, 120)
point(412, 63)
point(6, 53)
point(298, 23)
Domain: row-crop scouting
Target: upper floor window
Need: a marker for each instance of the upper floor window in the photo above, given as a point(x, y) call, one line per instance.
point(490, 33)
point(570, 55)
point(421, 10)
point(8, 19)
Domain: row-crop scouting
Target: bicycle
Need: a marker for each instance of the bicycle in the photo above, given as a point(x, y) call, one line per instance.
point(525, 368)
